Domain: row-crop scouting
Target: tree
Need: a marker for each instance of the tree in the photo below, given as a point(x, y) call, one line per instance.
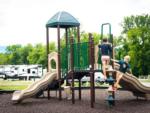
point(38, 54)
point(14, 54)
point(3, 59)
point(137, 30)
point(17, 54)
point(120, 47)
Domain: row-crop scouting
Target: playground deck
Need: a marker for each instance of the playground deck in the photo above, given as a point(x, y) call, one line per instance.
point(125, 103)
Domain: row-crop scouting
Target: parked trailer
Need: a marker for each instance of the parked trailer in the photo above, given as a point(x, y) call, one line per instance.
point(26, 72)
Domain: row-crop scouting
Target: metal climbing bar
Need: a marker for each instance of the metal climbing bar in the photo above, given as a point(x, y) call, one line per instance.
point(102, 26)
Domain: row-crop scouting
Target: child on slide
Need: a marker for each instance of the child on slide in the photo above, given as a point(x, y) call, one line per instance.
point(124, 67)
point(106, 50)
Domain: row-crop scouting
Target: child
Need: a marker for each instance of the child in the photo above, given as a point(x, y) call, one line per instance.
point(124, 67)
point(106, 50)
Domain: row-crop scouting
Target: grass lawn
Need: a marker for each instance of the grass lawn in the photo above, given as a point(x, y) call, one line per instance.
point(20, 85)
point(145, 80)
point(14, 84)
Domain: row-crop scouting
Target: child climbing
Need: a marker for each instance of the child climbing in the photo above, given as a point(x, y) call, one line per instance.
point(106, 50)
point(124, 67)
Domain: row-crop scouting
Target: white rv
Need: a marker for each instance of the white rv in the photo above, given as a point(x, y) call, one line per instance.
point(21, 71)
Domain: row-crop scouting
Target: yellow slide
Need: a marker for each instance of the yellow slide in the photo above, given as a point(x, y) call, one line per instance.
point(131, 83)
point(34, 88)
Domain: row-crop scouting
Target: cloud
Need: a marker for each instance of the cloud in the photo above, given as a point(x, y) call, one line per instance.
point(23, 21)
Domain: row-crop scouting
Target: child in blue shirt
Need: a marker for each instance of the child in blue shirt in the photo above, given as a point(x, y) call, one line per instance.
point(124, 67)
point(106, 50)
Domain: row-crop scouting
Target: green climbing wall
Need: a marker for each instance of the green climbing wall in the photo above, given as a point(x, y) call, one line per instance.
point(80, 54)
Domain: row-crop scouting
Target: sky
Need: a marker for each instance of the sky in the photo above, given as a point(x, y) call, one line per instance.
point(23, 21)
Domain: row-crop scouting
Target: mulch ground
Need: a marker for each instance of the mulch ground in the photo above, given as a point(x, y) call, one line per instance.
point(125, 103)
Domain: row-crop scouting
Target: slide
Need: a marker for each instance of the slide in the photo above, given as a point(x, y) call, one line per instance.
point(131, 83)
point(34, 88)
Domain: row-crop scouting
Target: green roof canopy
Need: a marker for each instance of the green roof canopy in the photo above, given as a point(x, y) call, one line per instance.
point(63, 19)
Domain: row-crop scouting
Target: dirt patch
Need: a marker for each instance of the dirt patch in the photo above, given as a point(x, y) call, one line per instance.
point(125, 103)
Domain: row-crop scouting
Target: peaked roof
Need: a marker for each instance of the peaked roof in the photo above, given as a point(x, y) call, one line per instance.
point(63, 19)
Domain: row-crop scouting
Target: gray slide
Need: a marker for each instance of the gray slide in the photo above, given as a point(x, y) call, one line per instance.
point(131, 83)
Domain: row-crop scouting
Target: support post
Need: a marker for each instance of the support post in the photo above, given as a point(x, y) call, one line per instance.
point(79, 89)
point(59, 63)
point(47, 52)
point(112, 54)
point(72, 68)
point(66, 30)
point(78, 39)
point(47, 46)
point(91, 71)
point(92, 63)
point(48, 93)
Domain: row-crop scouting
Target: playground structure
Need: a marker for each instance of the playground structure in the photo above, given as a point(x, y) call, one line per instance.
point(75, 61)
point(81, 55)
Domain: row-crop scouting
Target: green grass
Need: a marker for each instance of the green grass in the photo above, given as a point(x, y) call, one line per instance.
point(144, 80)
point(14, 85)
point(20, 85)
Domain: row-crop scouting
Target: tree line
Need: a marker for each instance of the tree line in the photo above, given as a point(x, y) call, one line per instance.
point(28, 54)
point(134, 41)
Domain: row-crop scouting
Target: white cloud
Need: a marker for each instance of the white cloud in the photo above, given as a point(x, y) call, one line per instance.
point(23, 21)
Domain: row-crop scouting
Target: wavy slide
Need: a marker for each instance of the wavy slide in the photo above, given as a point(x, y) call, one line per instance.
point(34, 88)
point(131, 83)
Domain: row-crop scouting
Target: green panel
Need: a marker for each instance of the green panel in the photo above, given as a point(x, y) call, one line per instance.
point(64, 61)
point(80, 54)
point(84, 55)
